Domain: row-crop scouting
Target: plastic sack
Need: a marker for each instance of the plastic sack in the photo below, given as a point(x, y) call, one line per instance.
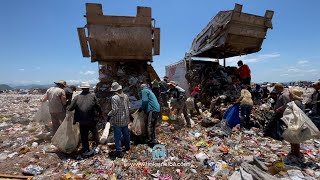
point(105, 133)
point(300, 127)
point(43, 114)
point(232, 115)
point(67, 137)
point(190, 103)
point(138, 125)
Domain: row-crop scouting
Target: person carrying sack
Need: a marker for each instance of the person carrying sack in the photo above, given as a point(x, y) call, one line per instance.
point(57, 101)
point(281, 104)
point(295, 95)
point(119, 118)
point(151, 107)
point(85, 106)
point(178, 100)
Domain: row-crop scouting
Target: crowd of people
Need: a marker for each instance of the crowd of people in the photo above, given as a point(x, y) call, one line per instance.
point(160, 94)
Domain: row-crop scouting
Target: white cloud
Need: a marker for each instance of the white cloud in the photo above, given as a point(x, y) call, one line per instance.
point(73, 81)
point(284, 74)
point(251, 58)
point(311, 70)
point(21, 69)
point(88, 72)
point(79, 81)
point(303, 62)
point(267, 56)
point(293, 70)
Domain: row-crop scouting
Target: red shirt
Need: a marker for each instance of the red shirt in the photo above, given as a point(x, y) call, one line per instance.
point(244, 71)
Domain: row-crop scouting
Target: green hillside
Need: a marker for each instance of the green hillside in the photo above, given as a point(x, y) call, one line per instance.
point(5, 87)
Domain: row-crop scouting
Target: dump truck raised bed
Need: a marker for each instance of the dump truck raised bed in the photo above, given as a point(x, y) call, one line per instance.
point(228, 34)
point(232, 33)
point(123, 46)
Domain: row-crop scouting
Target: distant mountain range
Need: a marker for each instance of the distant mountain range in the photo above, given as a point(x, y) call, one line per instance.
point(33, 86)
point(30, 86)
point(5, 87)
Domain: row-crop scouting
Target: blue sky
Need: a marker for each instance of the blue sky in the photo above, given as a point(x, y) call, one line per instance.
point(39, 41)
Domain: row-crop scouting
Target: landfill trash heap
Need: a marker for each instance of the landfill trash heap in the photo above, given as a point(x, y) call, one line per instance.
point(214, 80)
point(25, 150)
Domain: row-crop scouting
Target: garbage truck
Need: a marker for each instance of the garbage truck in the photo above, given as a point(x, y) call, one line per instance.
point(230, 33)
point(123, 47)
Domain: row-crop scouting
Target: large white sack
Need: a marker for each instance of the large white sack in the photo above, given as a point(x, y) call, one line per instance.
point(43, 115)
point(138, 125)
point(300, 127)
point(67, 137)
point(105, 133)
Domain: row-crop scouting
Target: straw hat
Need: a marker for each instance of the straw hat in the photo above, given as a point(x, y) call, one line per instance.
point(115, 87)
point(85, 85)
point(296, 94)
point(61, 82)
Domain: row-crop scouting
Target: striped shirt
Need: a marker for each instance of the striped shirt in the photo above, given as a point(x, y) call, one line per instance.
point(120, 110)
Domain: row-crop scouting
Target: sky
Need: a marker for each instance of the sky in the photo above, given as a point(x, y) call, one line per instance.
point(39, 42)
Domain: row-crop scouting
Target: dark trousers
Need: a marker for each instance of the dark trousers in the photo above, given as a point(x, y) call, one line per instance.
point(246, 81)
point(245, 114)
point(124, 131)
point(153, 117)
point(84, 133)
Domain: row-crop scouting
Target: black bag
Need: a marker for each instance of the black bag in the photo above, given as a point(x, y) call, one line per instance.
point(275, 128)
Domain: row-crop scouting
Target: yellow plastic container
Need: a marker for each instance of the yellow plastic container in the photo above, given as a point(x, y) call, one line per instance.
point(165, 118)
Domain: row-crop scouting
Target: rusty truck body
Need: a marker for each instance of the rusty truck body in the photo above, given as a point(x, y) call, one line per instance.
point(123, 47)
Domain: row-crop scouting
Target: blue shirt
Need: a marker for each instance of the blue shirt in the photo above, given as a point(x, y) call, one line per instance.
point(149, 101)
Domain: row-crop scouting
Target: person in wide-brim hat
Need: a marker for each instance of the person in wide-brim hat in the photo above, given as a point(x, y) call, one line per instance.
point(115, 87)
point(61, 83)
point(85, 85)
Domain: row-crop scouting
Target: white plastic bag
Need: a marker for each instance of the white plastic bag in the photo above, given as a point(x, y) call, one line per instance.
point(300, 127)
point(67, 137)
point(105, 133)
point(43, 114)
point(138, 125)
